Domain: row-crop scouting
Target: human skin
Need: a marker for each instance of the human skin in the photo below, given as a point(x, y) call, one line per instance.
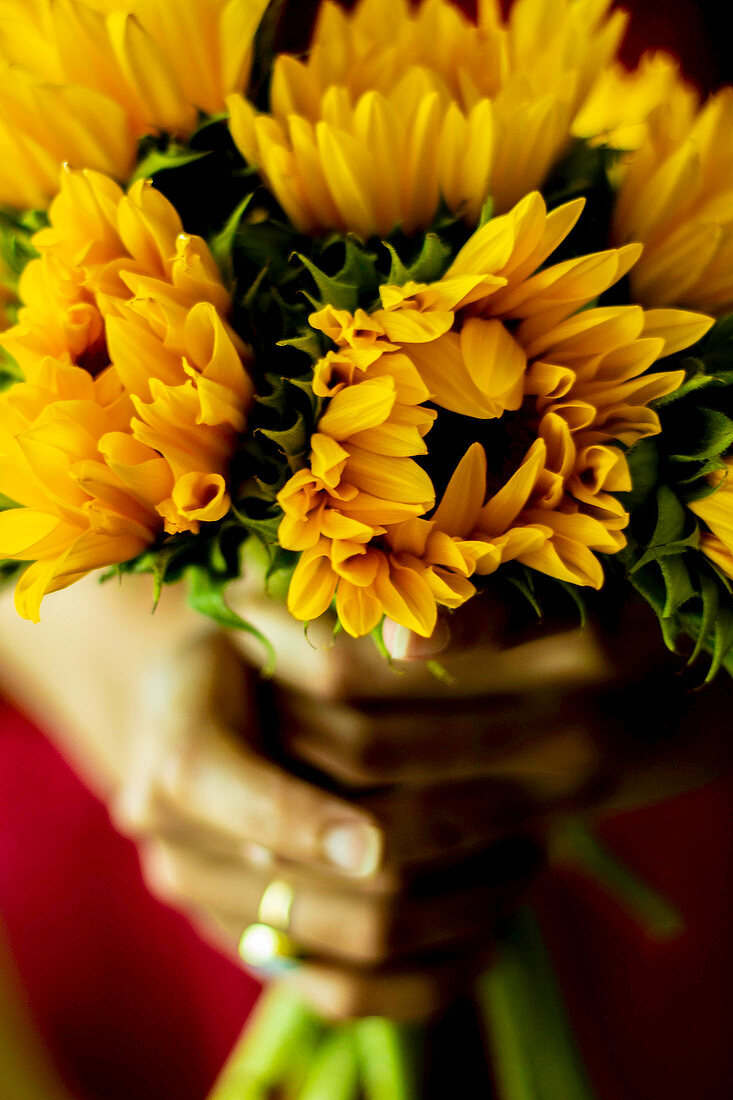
point(415, 830)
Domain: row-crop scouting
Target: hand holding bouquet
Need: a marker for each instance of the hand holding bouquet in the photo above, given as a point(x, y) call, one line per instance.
point(437, 310)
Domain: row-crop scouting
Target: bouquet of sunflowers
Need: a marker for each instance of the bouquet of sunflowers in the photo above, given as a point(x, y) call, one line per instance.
point(438, 307)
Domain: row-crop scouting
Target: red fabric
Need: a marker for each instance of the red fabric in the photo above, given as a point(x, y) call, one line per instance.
point(653, 1019)
point(130, 1000)
point(133, 1003)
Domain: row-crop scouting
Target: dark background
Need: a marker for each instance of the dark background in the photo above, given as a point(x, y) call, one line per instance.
point(697, 33)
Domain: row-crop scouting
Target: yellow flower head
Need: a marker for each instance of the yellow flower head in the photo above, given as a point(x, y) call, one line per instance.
point(616, 113)
point(716, 511)
point(546, 388)
point(676, 197)
point(134, 387)
point(82, 80)
point(396, 107)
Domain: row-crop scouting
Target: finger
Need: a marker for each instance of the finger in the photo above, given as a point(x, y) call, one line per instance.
point(405, 995)
point(485, 662)
point(484, 621)
point(176, 699)
point(193, 768)
point(222, 783)
point(438, 824)
point(418, 742)
point(358, 926)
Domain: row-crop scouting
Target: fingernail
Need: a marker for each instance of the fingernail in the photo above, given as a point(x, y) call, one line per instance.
point(354, 846)
point(257, 854)
point(405, 645)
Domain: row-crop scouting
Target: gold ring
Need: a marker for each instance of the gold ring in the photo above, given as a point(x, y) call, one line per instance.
point(276, 904)
point(266, 944)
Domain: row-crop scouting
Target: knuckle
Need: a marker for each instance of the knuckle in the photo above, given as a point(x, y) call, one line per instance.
point(135, 811)
point(374, 943)
point(158, 873)
point(176, 773)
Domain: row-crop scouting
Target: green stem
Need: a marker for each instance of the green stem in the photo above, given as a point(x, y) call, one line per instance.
point(333, 1073)
point(497, 997)
point(534, 1051)
point(573, 844)
point(388, 1059)
point(281, 1034)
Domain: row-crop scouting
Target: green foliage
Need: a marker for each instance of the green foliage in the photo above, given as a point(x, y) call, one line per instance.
point(206, 594)
point(156, 158)
point(427, 266)
point(9, 371)
point(690, 596)
point(16, 230)
point(532, 598)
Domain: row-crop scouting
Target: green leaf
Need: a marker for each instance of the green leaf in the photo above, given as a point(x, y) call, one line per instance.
point(268, 245)
point(709, 596)
point(222, 245)
point(308, 343)
point(576, 596)
point(206, 595)
point(677, 582)
point(671, 518)
point(712, 431)
point(643, 460)
point(656, 553)
point(487, 212)
point(160, 160)
point(697, 382)
point(650, 584)
point(429, 264)
point(265, 529)
point(432, 260)
point(398, 273)
point(378, 638)
point(359, 266)
point(292, 441)
point(9, 375)
point(332, 291)
point(583, 171)
point(700, 474)
point(669, 533)
point(722, 641)
point(524, 585)
point(440, 672)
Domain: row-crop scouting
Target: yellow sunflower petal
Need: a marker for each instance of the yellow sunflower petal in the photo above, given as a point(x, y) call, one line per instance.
point(464, 496)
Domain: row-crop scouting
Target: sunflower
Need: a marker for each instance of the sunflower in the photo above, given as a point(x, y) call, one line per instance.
point(676, 197)
point(134, 389)
point(616, 113)
point(395, 109)
point(716, 512)
point(81, 81)
point(505, 357)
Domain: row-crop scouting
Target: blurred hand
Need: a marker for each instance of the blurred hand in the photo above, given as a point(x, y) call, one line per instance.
point(399, 807)
point(414, 835)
